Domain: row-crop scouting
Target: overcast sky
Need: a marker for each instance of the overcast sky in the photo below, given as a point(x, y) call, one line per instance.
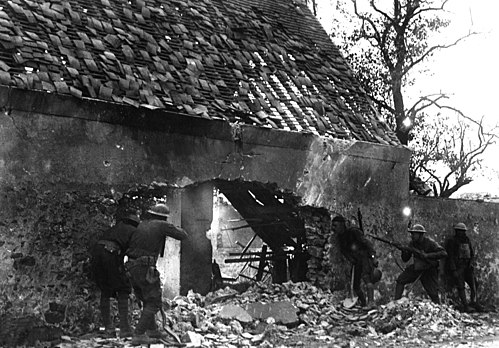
point(470, 71)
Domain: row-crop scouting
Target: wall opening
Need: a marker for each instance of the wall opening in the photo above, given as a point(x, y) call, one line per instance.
point(257, 234)
point(241, 232)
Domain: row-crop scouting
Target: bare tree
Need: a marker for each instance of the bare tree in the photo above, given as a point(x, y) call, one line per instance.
point(387, 47)
point(394, 41)
point(447, 150)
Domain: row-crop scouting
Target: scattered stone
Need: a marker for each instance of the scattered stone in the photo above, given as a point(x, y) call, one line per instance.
point(235, 312)
point(299, 314)
point(194, 339)
point(284, 312)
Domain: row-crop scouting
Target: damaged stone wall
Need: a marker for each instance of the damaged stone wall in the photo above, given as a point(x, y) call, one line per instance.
point(45, 239)
point(327, 267)
point(317, 232)
point(46, 235)
point(71, 157)
point(329, 270)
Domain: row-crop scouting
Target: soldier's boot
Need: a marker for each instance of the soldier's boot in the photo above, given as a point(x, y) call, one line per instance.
point(125, 330)
point(144, 323)
point(362, 297)
point(105, 311)
point(399, 290)
point(138, 340)
point(152, 329)
point(477, 306)
point(370, 297)
point(434, 297)
point(464, 303)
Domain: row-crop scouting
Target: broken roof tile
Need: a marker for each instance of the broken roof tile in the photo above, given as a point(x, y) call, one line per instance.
point(209, 48)
point(76, 92)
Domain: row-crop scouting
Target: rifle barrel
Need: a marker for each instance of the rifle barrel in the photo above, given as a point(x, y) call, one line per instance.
point(383, 240)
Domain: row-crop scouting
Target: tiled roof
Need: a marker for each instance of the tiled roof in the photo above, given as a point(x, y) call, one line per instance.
point(262, 62)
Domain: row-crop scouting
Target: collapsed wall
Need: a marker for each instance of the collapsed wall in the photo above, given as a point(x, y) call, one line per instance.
point(66, 163)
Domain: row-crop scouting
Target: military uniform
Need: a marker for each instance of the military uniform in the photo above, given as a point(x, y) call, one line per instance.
point(425, 253)
point(145, 246)
point(109, 272)
point(360, 252)
point(460, 263)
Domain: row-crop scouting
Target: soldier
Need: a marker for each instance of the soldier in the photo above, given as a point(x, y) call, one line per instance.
point(145, 246)
point(425, 253)
point(109, 272)
point(360, 253)
point(460, 264)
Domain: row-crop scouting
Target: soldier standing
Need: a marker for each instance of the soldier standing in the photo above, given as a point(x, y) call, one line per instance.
point(361, 254)
point(109, 272)
point(145, 246)
point(460, 263)
point(425, 253)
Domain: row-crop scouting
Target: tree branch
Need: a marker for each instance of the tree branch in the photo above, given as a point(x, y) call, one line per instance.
point(434, 48)
point(427, 9)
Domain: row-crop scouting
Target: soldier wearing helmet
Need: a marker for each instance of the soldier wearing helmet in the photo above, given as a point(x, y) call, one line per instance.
point(146, 244)
point(425, 253)
point(460, 264)
point(109, 272)
point(361, 254)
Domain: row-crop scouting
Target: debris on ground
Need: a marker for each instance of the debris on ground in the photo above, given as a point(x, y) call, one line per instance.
point(299, 314)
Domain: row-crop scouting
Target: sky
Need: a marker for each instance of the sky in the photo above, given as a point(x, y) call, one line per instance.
point(469, 72)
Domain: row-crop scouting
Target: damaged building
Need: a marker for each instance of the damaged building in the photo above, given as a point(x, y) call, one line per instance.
point(242, 116)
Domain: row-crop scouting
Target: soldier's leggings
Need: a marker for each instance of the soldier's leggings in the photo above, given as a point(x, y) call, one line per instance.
point(147, 287)
point(428, 277)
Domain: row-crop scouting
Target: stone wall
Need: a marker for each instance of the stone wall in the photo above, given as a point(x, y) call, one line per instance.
point(66, 164)
point(328, 269)
point(44, 241)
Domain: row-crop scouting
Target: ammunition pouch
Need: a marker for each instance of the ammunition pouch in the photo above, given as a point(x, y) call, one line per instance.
point(152, 275)
point(141, 261)
point(110, 246)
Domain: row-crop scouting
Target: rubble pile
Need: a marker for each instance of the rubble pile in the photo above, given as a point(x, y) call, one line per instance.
point(298, 314)
point(425, 322)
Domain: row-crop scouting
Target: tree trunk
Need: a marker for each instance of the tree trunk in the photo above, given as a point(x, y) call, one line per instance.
point(398, 102)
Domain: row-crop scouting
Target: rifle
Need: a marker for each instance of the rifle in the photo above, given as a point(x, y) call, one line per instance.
point(359, 217)
point(386, 241)
point(396, 244)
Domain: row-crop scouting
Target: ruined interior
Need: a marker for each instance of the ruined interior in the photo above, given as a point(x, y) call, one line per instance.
point(256, 233)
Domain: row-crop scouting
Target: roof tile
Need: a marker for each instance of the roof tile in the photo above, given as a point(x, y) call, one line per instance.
point(255, 62)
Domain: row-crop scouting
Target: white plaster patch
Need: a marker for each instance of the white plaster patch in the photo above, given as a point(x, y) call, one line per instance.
point(367, 182)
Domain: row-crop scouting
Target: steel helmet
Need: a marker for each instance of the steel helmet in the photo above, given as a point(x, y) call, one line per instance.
point(133, 218)
point(160, 210)
point(460, 226)
point(417, 228)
